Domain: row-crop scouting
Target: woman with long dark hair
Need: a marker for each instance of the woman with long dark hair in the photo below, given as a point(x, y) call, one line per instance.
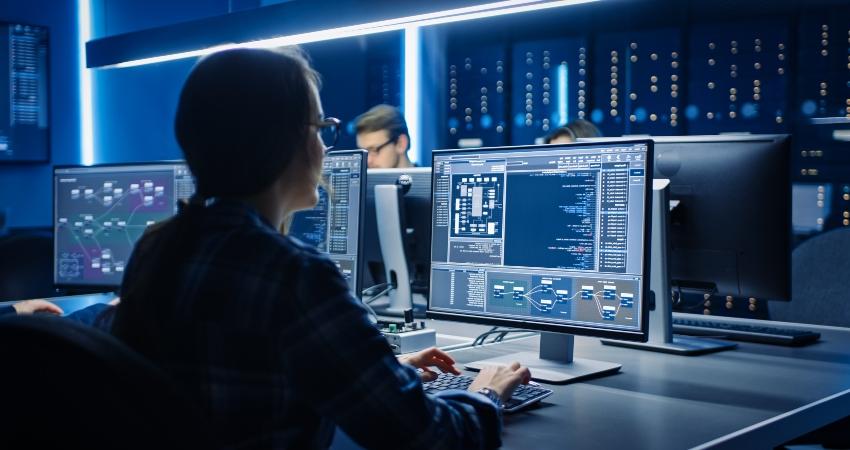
point(260, 329)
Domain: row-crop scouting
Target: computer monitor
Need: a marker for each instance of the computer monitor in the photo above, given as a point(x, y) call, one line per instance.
point(24, 89)
point(730, 229)
point(101, 211)
point(415, 224)
point(335, 225)
point(551, 238)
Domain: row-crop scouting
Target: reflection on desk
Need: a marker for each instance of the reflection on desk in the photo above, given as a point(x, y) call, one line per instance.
point(757, 396)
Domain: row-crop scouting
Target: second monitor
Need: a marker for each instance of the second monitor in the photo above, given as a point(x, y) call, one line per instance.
point(334, 226)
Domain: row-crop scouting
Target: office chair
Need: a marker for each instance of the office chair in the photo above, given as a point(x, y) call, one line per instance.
point(820, 267)
point(26, 265)
point(65, 384)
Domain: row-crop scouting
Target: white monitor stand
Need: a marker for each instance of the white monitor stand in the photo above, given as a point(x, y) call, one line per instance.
point(661, 337)
point(388, 199)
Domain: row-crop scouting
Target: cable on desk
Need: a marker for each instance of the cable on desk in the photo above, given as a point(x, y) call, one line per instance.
point(480, 339)
point(369, 291)
point(378, 295)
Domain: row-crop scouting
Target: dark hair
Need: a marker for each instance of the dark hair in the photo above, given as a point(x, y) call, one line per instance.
point(560, 131)
point(382, 117)
point(242, 117)
point(584, 129)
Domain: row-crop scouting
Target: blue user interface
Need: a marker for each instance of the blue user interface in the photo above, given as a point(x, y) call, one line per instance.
point(550, 235)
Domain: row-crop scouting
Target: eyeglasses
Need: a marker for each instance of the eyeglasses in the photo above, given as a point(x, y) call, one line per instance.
point(329, 129)
point(378, 149)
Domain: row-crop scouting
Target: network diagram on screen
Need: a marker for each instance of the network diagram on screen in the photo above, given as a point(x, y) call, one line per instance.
point(100, 213)
point(552, 235)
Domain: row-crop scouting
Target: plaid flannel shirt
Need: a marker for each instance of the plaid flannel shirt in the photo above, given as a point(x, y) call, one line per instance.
point(263, 331)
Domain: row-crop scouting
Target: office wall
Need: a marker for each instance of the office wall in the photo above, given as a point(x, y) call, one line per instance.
point(133, 108)
point(25, 189)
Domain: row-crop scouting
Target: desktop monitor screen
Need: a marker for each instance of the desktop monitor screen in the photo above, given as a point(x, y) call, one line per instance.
point(730, 229)
point(24, 87)
point(416, 225)
point(550, 238)
point(101, 211)
point(335, 225)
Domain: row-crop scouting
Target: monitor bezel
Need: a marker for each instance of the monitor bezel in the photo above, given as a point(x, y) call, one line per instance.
point(359, 259)
point(88, 287)
point(639, 335)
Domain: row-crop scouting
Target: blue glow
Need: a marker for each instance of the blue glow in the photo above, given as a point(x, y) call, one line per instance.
point(555, 118)
point(412, 103)
point(809, 107)
point(691, 112)
point(562, 94)
point(453, 122)
point(640, 114)
point(519, 120)
point(596, 116)
point(749, 110)
point(486, 121)
point(86, 116)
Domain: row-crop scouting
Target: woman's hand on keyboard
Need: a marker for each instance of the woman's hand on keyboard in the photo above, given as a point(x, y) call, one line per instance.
point(430, 357)
point(502, 379)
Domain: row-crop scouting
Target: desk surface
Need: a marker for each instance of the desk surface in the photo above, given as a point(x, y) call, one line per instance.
point(756, 396)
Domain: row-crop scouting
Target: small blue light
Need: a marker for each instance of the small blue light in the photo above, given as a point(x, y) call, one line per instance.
point(691, 112)
point(809, 107)
point(469, 126)
point(486, 121)
point(596, 116)
point(749, 110)
point(453, 122)
point(519, 120)
point(640, 114)
point(350, 128)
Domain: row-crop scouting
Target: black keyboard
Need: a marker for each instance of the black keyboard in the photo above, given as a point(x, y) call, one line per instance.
point(524, 394)
point(744, 332)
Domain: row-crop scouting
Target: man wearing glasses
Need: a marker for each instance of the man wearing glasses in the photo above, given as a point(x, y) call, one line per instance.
point(382, 132)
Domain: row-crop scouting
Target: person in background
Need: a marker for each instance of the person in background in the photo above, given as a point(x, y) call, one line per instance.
point(561, 135)
point(382, 131)
point(260, 329)
point(572, 131)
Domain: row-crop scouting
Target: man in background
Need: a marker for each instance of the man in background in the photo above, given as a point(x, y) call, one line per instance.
point(382, 131)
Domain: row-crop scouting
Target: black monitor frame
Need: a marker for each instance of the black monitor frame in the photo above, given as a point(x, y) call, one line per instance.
point(639, 335)
point(765, 275)
point(86, 287)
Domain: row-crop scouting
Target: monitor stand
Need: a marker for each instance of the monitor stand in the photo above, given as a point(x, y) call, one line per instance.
point(661, 337)
point(555, 363)
point(388, 209)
